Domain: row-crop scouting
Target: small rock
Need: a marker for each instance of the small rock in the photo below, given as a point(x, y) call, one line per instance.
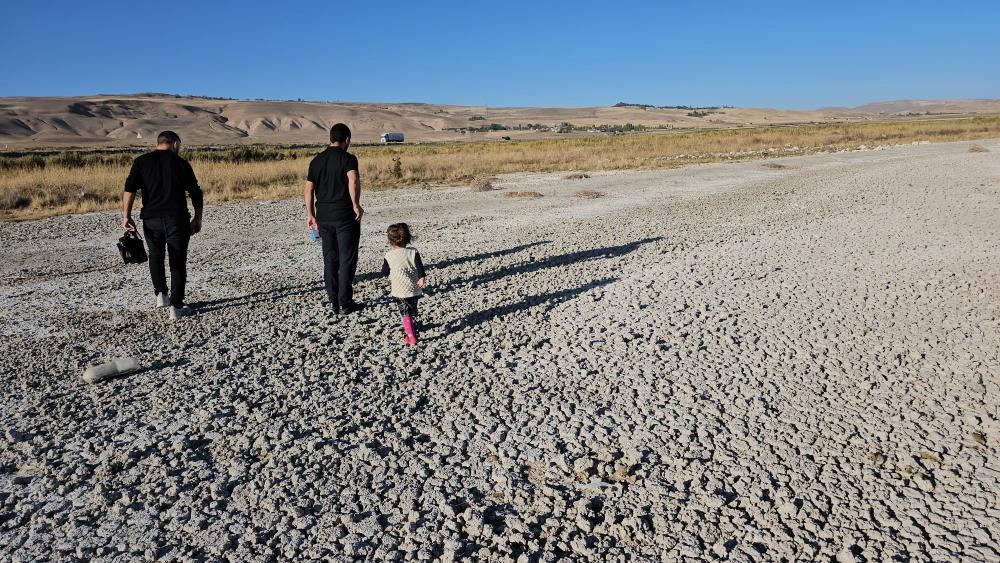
point(788, 509)
point(583, 467)
point(846, 556)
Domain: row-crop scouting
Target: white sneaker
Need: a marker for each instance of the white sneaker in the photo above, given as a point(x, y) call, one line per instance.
point(162, 300)
point(178, 312)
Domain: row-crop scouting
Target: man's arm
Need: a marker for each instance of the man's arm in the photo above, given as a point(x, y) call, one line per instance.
point(197, 200)
point(196, 222)
point(133, 183)
point(128, 198)
point(307, 194)
point(354, 188)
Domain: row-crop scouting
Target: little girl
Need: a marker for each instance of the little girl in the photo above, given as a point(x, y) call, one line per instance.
point(405, 270)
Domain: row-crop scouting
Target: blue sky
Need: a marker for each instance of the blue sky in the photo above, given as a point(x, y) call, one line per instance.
point(767, 54)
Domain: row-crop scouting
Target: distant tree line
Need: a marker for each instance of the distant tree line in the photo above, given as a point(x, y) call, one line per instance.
point(650, 106)
point(564, 127)
point(626, 128)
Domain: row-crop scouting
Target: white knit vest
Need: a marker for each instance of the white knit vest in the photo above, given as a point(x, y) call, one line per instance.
point(403, 272)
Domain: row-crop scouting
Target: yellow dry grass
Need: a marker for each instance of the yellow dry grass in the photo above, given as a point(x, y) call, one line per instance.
point(57, 189)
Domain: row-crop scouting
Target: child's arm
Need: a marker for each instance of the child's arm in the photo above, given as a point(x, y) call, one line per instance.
point(421, 274)
point(385, 268)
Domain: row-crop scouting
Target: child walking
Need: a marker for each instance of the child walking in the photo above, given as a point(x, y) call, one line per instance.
point(405, 270)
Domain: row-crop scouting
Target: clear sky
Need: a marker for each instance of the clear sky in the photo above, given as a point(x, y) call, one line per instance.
point(800, 54)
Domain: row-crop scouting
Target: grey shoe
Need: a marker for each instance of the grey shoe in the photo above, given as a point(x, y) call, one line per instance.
point(178, 312)
point(162, 300)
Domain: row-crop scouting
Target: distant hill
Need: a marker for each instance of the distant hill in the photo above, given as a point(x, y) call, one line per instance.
point(102, 120)
point(932, 107)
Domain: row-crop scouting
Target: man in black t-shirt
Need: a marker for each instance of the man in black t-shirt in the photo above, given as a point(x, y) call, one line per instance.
point(162, 178)
point(333, 207)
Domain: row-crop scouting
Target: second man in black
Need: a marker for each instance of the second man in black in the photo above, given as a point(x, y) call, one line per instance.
point(333, 207)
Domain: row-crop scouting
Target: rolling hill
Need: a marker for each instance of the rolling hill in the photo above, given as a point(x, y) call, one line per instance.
point(122, 120)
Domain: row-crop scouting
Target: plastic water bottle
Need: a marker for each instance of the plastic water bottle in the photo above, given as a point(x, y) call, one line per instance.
point(314, 234)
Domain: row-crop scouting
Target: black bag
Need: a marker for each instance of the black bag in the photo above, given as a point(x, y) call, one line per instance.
point(131, 248)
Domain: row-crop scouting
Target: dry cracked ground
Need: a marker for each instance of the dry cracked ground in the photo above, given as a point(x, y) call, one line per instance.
point(745, 362)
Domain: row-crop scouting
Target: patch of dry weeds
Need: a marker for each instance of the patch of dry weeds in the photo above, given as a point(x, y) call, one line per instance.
point(523, 195)
point(481, 184)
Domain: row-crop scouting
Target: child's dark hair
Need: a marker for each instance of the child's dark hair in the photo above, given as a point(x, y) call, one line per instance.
point(399, 234)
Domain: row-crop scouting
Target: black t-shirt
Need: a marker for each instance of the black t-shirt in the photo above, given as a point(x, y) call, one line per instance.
point(328, 173)
point(163, 177)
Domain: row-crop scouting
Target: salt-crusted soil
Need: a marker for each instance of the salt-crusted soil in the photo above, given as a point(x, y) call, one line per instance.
point(716, 362)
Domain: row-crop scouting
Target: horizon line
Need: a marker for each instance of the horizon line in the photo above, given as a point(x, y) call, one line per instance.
point(374, 102)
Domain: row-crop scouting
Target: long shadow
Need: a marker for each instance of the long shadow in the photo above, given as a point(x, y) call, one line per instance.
point(268, 295)
point(40, 276)
point(369, 276)
point(548, 300)
point(484, 255)
point(550, 262)
point(261, 296)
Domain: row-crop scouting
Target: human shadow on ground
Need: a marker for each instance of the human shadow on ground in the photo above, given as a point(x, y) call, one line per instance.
point(484, 255)
point(30, 276)
point(268, 295)
point(547, 300)
point(264, 296)
point(550, 262)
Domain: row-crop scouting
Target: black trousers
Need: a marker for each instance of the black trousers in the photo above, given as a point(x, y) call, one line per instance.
point(340, 260)
point(170, 234)
point(407, 305)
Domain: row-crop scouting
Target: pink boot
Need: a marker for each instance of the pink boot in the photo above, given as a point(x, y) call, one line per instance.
point(411, 334)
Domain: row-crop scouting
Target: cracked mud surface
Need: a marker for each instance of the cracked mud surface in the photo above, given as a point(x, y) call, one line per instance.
point(726, 361)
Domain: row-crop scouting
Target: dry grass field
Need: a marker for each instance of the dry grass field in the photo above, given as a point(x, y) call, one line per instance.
point(36, 185)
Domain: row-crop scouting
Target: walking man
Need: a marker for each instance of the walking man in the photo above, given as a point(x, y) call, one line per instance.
point(162, 178)
point(333, 207)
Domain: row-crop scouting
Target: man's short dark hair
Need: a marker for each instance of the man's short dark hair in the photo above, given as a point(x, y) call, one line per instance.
point(167, 138)
point(340, 133)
